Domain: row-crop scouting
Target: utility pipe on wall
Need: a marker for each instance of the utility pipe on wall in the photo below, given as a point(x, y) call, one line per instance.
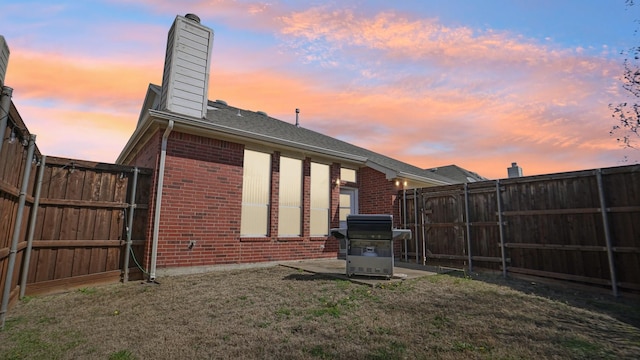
point(5, 103)
point(156, 216)
point(16, 230)
point(32, 227)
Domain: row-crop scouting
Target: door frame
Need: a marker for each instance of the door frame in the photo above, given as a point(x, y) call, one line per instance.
point(353, 193)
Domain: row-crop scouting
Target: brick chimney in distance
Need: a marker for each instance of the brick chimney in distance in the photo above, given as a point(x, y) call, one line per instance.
point(514, 171)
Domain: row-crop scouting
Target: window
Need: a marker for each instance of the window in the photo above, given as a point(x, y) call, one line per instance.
point(256, 178)
point(320, 196)
point(348, 175)
point(346, 206)
point(290, 203)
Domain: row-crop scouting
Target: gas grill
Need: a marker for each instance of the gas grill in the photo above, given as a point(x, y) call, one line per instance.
point(369, 240)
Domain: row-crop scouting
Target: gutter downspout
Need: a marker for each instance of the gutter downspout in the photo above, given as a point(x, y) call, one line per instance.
point(16, 230)
point(32, 227)
point(156, 217)
point(5, 102)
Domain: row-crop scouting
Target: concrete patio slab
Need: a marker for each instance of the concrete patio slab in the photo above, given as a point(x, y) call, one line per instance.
point(337, 268)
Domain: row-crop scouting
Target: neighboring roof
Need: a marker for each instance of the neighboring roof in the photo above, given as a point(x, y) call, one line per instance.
point(456, 173)
point(258, 126)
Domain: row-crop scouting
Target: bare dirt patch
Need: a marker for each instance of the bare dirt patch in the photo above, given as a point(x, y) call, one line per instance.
point(282, 313)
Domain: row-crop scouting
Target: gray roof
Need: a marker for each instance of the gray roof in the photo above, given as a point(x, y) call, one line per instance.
point(260, 126)
point(456, 173)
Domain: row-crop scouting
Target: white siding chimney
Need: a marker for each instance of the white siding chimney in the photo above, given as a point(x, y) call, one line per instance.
point(4, 59)
point(514, 171)
point(186, 67)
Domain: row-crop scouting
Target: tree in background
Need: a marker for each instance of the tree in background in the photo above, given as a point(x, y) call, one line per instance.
point(627, 113)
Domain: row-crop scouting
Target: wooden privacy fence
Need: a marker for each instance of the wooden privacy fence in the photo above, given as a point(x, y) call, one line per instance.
point(82, 222)
point(579, 226)
point(68, 222)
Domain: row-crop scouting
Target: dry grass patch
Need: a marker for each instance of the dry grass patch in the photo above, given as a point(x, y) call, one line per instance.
point(281, 313)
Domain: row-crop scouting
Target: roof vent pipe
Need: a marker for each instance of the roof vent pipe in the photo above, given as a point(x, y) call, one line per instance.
point(297, 122)
point(193, 17)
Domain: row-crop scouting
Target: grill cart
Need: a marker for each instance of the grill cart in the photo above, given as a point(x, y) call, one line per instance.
point(369, 241)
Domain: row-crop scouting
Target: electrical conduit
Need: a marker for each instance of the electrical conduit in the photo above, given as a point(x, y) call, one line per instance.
point(156, 216)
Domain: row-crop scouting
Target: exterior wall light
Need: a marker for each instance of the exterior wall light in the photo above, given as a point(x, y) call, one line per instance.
point(399, 182)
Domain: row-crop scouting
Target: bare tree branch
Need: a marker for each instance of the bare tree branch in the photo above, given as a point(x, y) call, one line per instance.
point(627, 113)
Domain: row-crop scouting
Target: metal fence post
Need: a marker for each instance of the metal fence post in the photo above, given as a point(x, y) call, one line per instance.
point(404, 216)
point(32, 226)
point(415, 220)
point(502, 250)
point(468, 223)
point(423, 225)
point(607, 233)
point(5, 105)
point(13, 252)
point(132, 207)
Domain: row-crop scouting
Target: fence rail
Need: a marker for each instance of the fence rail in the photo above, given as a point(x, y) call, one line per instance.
point(579, 226)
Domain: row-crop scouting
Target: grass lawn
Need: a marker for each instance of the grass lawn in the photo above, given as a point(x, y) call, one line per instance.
point(282, 313)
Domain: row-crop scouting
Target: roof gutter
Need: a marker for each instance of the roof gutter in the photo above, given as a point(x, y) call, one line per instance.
point(391, 174)
point(243, 134)
point(405, 175)
point(156, 216)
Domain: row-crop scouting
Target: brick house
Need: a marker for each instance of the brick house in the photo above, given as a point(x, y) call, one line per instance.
point(234, 186)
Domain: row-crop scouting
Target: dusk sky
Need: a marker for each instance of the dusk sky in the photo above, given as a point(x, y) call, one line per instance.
point(479, 84)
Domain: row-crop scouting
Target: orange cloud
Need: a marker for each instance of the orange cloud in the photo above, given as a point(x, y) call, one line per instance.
point(409, 88)
point(87, 135)
point(84, 82)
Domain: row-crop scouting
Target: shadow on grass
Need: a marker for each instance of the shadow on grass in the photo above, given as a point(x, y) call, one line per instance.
point(304, 276)
point(625, 308)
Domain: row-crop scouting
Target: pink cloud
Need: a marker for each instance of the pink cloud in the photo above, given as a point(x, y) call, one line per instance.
point(407, 87)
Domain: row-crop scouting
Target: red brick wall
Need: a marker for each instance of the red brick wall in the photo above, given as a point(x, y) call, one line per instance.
point(377, 195)
point(202, 201)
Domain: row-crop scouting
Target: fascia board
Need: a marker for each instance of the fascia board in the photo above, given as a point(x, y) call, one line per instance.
point(414, 177)
point(204, 127)
point(391, 174)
